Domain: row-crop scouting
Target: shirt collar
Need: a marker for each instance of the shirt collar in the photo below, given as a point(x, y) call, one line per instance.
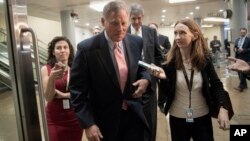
point(110, 42)
point(139, 32)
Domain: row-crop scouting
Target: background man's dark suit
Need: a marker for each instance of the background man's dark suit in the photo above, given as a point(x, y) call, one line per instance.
point(152, 54)
point(164, 42)
point(94, 86)
point(244, 55)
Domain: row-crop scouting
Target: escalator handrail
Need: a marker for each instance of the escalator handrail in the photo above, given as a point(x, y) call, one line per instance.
point(39, 80)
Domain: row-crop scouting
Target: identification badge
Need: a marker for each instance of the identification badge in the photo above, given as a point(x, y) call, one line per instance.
point(189, 115)
point(66, 104)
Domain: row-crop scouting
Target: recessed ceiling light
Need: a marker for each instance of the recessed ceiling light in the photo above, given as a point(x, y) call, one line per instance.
point(98, 5)
point(221, 10)
point(162, 20)
point(87, 24)
point(179, 1)
point(207, 25)
point(163, 11)
point(215, 19)
point(187, 17)
point(197, 7)
point(191, 13)
point(163, 16)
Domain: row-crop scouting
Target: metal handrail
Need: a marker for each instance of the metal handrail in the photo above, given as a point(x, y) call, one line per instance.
point(39, 80)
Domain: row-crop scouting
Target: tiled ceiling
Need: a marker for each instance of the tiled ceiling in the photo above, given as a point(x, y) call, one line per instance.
point(50, 9)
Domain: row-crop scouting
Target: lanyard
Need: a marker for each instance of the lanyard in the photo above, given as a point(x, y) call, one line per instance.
point(189, 83)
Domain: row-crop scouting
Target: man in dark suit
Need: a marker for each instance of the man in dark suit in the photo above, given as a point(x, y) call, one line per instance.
point(215, 46)
point(242, 51)
point(165, 46)
point(106, 83)
point(151, 54)
point(163, 40)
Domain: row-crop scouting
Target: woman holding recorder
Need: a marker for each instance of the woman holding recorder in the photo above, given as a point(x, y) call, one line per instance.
point(185, 80)
point(62, 122)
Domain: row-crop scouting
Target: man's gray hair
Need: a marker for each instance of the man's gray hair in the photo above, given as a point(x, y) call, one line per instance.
point(136, 9)
point(114, 6)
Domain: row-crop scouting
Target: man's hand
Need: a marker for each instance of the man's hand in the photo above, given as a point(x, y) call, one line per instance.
point(93, 133)
point(238, 65)
point(141, 85)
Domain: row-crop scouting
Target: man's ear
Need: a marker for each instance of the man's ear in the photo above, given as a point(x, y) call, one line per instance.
point(102, 20)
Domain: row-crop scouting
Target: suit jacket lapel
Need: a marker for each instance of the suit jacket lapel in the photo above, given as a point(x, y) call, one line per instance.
point(105, 58)
point(129, 29)
point(130, 60)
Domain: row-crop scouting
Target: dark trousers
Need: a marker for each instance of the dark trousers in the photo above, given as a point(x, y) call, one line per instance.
point(200, 130)
point(161, 97)
point(150, 111)
point(131, 127)
point(243, 81)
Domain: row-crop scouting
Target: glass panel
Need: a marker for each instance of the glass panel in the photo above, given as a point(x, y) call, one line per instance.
point(8, 122)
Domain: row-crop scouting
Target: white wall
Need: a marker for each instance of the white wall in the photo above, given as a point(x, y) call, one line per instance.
point(210, 32)
point(167, 31)
point(45, 29)
point(82, 33)
point(207, 32)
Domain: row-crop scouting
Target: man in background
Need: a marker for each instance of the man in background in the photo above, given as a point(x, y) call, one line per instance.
point(151, 53)
point(215, 46)
point(242, 51)
point(165, 46)
point(96, 30)
point(163, 40)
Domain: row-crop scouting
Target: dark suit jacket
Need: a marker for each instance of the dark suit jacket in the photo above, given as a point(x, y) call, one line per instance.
point(209, 77)
point(151, 48)
point(164, 41)
point(94, 87)
point(213, 43)
point(245, 55)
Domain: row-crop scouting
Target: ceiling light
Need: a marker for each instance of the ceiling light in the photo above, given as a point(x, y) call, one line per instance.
point(179, 1)
point(163, 16)
point(162, 20)
point(98, 5)
point(187, 17)
point(215, 19)
point(191, 13)
point(87, 24)
point(197, 7)
point(207, 25)
point(221, 10)
point(164, 11)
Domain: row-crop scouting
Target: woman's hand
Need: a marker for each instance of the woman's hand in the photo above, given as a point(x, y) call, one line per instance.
point(57, 71)
point(59, 94)
point(157, 72)
point(238, 65)
point(223, 119)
